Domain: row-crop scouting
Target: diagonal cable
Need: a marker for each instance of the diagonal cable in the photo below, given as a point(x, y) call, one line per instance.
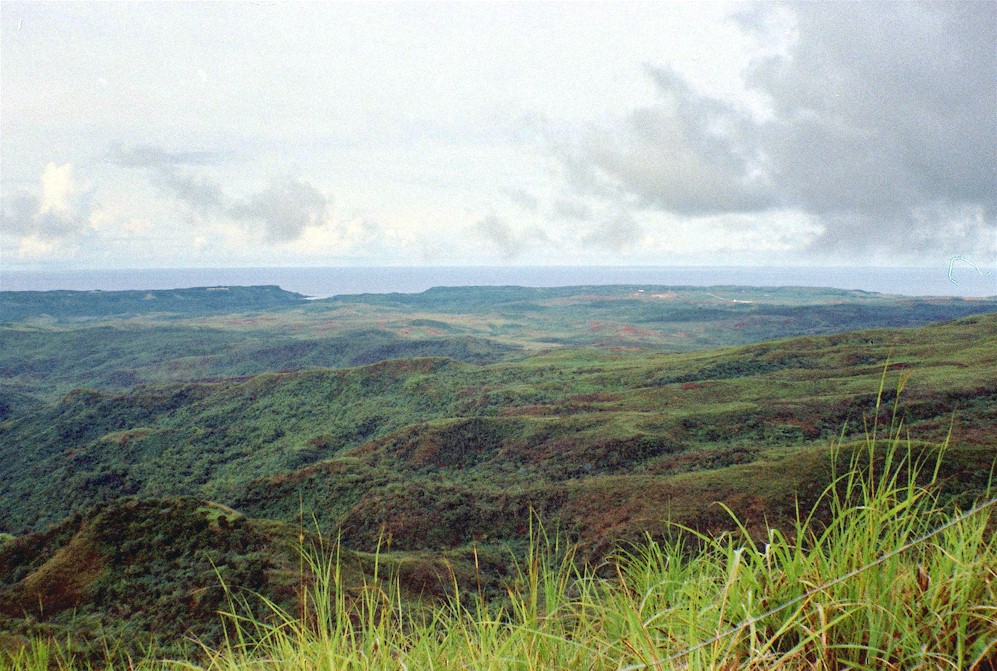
point(806, 595)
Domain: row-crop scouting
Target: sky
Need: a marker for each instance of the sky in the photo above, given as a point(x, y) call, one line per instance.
point(185, 135)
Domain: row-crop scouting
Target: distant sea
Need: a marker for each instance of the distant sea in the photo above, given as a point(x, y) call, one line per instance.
point(323, 282)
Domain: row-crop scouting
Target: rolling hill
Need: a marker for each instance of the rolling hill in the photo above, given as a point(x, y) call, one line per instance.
point(432, 431)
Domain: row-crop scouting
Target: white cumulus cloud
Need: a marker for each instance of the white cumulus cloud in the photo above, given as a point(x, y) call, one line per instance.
point(61, 211)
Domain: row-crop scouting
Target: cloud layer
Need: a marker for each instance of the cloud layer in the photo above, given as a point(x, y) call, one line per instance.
point(763, 133)
point(882, 123)
point(61, 212)
point(284, 208)
point(510, 244)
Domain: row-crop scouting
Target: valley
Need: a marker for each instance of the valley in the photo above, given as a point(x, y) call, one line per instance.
point(146, 442)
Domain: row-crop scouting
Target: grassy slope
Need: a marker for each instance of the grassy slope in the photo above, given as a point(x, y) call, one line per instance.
point(892, 582)
point(140, 570)
point(156, 572)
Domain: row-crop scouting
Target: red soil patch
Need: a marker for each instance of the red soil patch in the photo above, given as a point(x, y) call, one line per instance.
point(633, 330)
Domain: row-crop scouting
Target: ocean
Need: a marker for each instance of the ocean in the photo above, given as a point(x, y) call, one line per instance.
point(957, 279)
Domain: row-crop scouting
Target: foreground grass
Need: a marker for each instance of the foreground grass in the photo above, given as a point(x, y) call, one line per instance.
point(878, 576)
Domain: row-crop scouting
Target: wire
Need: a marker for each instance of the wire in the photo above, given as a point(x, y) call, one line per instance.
point(806, 595)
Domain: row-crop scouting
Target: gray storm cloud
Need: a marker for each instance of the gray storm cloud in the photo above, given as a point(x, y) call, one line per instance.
point(615, 234)
point(883, 125)
point(673, 157)
point(23, 214)
point(68, 217)
point(171, 173)
point(18, 213)
point(525, 200)
point(564, 208)
point(201, 193)
point(284, 208)
point(499, 234)
point(508, 242)
point(886, 122)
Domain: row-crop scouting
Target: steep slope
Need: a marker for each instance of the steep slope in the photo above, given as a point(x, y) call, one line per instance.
point(140, 571)
point(158, 574)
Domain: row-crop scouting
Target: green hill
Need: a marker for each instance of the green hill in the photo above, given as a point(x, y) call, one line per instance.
point(141, 571)
point(432, 428)
point(577, 415)
point(76, 305)
point(54, 342)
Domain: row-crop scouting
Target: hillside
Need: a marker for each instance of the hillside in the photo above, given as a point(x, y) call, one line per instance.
point(140, 571)
point(76, 305)
point(153, 574)
point(54, 342)
point(437, 429)
point(142, 454)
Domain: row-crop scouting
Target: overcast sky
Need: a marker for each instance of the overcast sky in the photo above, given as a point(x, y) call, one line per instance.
point(202, 135)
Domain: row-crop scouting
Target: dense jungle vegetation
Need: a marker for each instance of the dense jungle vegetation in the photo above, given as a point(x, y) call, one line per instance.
point(169, 455)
